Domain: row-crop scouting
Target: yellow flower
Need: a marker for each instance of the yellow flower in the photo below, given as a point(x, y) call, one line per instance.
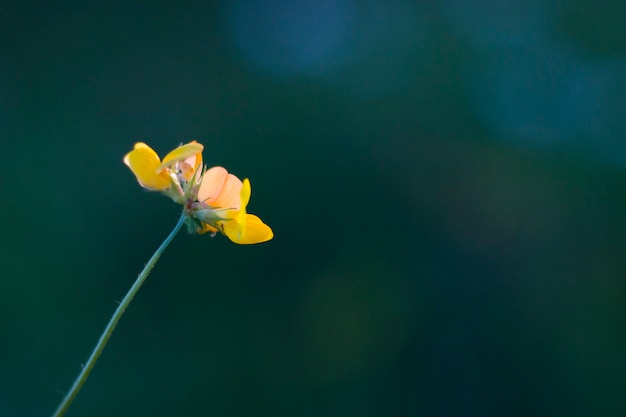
point(222, 202)
point(214, 199)
point(174, 176)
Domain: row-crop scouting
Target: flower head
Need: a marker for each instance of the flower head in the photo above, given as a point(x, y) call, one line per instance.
point(176, 176)
point(214, 199)
point(222, 202)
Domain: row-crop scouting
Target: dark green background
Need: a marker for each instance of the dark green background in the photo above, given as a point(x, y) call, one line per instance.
point(422, 265)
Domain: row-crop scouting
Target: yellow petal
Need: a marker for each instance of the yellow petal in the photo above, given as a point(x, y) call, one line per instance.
point(143, 161)
point(181, 153)
point(220, 189)
point(245, 192)
point(255, 231)
point(244, 197)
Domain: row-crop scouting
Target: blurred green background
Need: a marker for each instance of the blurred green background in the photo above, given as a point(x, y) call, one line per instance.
point(446, 181)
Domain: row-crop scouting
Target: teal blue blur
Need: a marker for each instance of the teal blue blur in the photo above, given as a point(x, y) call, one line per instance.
point(446, 182)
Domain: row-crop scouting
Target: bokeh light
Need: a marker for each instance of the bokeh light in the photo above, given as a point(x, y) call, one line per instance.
point(520, 91)
point(544, 95)
point(500, 23)
point(364, 49)
point(293, 37)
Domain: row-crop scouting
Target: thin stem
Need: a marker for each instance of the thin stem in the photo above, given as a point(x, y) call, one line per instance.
point(104, 338)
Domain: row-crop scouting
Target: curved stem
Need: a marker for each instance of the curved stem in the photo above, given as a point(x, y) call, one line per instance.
point(104, 338)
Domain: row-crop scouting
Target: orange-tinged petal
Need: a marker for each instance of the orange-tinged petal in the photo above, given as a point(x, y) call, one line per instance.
point(220, 189)
point(212, 184)
point(206, 228)
point(190, 166)
point(230, 197)
point(143, 161)
point(255, 231)
point(181, 153)
point(196, 163)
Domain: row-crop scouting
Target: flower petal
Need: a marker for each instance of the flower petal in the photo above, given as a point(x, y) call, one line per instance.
point(255, 231)
point(196, 163)
point(189, 167)
point(244, 194)
point(239, 216)
point(181, 153)
point(206, 228)
point(220, 189)
point(143, 161)
point(212, 184)
point(230, 197)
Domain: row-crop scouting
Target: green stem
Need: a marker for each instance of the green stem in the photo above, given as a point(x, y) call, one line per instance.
point(104, 338)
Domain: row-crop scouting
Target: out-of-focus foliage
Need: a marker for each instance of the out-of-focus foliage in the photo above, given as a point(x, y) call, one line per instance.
point(446, 181)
